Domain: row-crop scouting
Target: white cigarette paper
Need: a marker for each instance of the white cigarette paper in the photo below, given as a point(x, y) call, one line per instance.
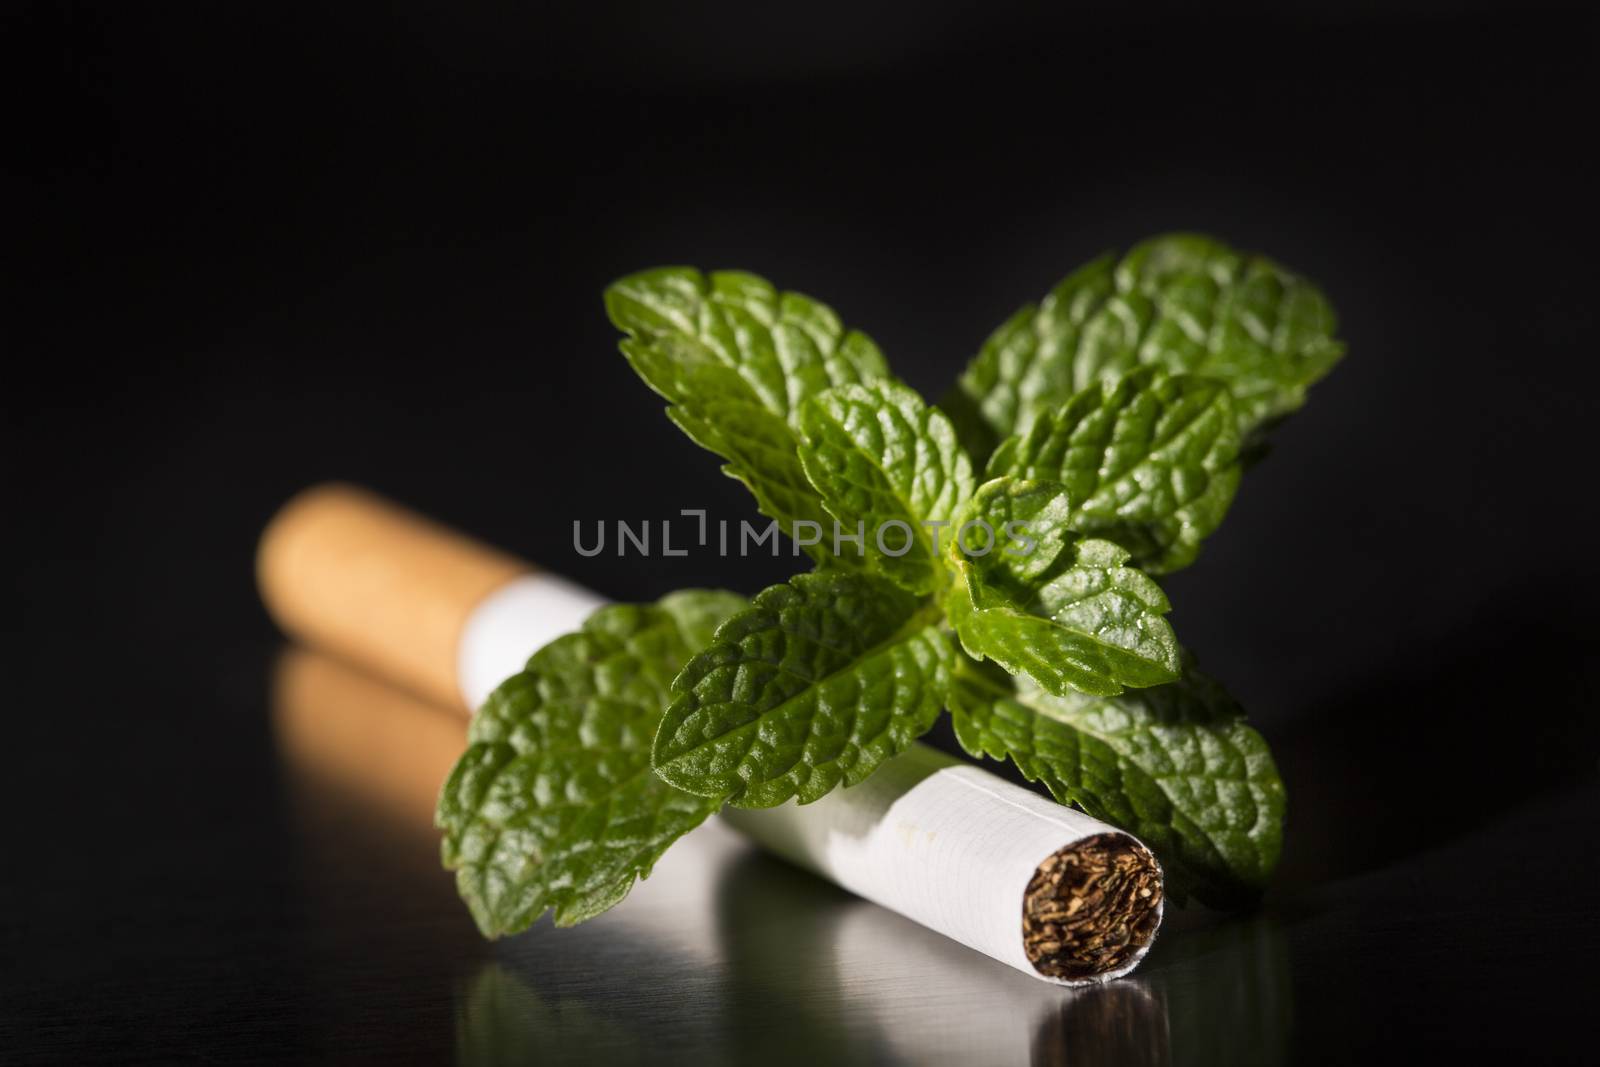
point(948, 845)
point(944, 843)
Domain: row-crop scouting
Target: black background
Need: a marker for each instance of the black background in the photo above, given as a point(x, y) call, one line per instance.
point(265, 246)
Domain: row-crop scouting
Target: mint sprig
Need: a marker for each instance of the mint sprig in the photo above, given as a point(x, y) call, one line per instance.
point(1109, 422)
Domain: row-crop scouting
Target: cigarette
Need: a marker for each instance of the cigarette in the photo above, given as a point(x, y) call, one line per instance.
point(1038, 886)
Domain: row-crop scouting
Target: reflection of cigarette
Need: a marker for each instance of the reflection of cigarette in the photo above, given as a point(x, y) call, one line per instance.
point(379, 744)
point(1038, 886)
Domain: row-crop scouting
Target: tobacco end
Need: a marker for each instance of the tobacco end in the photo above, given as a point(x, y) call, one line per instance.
point(1091, 907)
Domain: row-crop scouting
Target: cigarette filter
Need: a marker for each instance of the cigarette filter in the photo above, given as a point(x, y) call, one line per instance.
point(1038, 886)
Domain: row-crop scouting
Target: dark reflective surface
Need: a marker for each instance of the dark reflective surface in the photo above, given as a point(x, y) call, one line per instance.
point(265, 245)
point(345, 939)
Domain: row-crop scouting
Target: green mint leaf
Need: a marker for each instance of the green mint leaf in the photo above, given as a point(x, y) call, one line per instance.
point(1151, 462)
point(1183, 302)
point(554, 804)
point(1076, 618)
point(737, 359)
point(890, 471)
point(817, 683)
point(1176, 765)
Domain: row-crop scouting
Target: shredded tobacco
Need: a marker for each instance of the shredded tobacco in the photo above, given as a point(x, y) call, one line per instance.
point(1091, 906)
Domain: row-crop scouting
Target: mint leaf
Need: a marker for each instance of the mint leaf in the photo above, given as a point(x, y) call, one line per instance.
point(1175, 764)
point(1182, 302)
point(880, 456)
point(818, 682)
point(736, 358)
point(554, 804)
point(1151, 462)
point(1082, 620)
